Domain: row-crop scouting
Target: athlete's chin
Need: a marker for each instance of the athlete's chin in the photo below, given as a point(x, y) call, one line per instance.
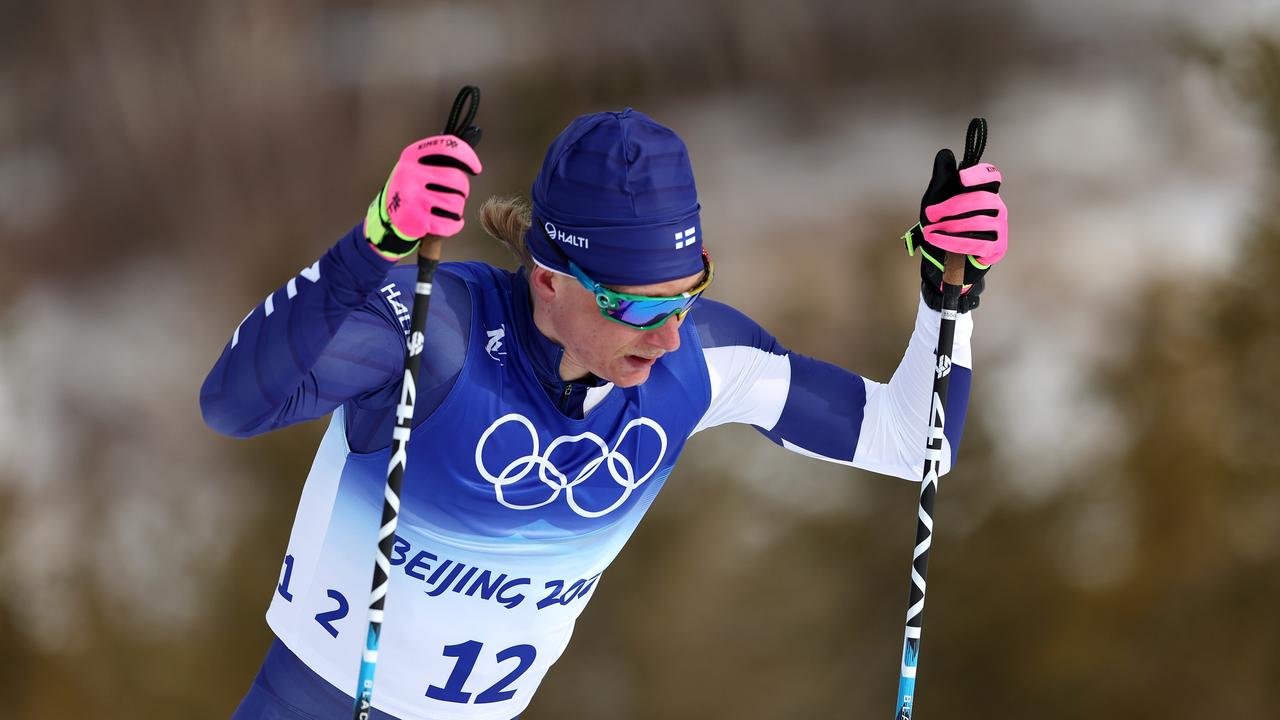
point(631, 370)
point(630, 380)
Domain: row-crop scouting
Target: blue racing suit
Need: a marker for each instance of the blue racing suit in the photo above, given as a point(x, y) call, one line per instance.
point(521, 488)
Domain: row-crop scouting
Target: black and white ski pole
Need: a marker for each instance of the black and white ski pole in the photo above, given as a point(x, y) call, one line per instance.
point(952, 280)
point(428, 258)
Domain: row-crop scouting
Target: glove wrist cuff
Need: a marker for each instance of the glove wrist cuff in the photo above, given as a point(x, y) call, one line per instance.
point(933, 298)
point(382, 236)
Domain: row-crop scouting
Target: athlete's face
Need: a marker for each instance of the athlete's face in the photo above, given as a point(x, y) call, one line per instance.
point(566, 312)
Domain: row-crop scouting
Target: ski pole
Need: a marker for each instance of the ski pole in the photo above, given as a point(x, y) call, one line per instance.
point(428, 258)
point(952, 280)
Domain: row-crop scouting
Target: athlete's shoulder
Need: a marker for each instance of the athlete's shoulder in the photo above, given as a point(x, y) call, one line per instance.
point(450, 296)
point(721, 325)
point(456, 271)
point(479, 274)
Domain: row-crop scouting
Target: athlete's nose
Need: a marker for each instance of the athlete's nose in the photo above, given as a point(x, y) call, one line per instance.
point(667, 335)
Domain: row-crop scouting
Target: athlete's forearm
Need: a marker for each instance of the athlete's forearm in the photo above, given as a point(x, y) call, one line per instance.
point(896, 414)
point(282, 364)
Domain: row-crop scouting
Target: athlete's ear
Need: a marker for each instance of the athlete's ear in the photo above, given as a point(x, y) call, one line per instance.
point(543, 282)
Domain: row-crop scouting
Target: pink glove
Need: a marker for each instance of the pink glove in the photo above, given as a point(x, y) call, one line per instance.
point(972, 221)
point(425, 195)
point(961, 212)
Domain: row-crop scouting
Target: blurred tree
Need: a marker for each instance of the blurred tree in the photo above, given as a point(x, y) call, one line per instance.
point(1148, 590)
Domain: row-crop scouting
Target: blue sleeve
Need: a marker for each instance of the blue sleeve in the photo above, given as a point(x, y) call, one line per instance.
point(823, 412)
point(328, 337)
point(720, 325)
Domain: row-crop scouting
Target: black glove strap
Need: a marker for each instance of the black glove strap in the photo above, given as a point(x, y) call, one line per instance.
point(933, 296)
point(393, 244)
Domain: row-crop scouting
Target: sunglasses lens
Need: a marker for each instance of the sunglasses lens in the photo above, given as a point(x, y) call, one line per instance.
point(642, 313)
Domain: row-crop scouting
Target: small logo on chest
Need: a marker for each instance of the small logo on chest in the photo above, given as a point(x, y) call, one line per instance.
point(494, 346)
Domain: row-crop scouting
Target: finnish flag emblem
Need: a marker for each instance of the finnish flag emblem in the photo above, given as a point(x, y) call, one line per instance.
point(686, 238)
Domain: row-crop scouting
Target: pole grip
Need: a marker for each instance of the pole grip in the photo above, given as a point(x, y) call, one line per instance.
point(953, 269)
point(431, 246)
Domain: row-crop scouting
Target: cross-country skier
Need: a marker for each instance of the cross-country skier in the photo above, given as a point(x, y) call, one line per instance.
point(552, 404)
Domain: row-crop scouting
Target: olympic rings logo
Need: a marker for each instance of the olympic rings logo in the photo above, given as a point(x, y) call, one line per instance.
point(620, 468)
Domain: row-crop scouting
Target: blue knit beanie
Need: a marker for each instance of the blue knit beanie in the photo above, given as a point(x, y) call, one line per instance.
point(616, 196)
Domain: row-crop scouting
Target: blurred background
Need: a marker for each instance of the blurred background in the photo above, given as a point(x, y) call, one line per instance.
point(1108, 546)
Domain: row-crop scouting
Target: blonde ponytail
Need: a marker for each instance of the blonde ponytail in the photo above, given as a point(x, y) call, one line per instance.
point(506, 219)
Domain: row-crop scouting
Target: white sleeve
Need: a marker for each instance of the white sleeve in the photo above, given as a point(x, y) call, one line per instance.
point(748, 385)
point(895, 418)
